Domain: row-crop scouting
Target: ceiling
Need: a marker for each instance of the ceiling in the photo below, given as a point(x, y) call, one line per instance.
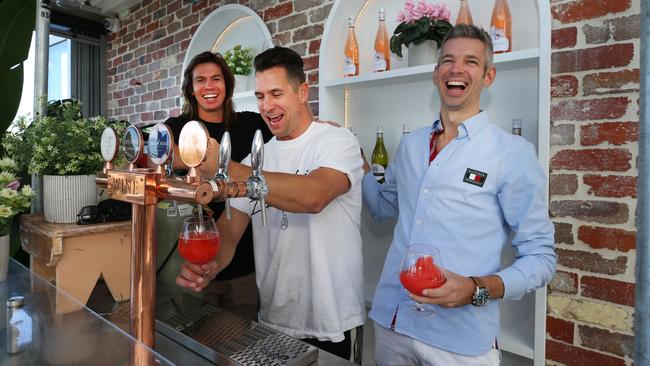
point(113, 7)
point(93, 9)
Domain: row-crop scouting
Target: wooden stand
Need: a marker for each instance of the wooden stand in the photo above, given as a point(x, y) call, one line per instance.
point(74, 256)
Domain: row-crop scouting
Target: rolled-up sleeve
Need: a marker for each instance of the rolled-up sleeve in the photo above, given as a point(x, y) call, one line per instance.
point(380, 199)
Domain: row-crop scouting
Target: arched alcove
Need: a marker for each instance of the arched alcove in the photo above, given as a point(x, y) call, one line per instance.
point(225, 27)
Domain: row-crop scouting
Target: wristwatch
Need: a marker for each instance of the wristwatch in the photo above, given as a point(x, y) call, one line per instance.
point(481, 295)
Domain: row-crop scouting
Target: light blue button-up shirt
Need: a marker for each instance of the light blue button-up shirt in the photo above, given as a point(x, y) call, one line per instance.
point(470, 224)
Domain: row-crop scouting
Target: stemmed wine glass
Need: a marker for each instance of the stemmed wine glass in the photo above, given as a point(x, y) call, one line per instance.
point(421, 269)
point(199, 241)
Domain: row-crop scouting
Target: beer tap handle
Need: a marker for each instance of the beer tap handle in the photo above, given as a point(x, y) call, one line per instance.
point(256, 183)
point(169, 169)
point(224, 160)
point(257, 153)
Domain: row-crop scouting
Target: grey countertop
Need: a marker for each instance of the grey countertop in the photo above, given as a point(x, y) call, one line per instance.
point(97, 334)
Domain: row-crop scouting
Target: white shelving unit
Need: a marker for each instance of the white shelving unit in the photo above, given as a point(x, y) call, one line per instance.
point(227, 26)
point(407, 95)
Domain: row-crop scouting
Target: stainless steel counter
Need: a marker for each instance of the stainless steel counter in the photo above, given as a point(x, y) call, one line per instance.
point(189, 331)
point(44, 337)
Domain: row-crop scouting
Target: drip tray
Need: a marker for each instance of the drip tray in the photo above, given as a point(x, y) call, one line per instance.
point(225, 338)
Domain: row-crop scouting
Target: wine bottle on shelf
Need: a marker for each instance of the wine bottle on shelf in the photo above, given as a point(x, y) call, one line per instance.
point(501, 27)
point(351, 67)
point(405, 129)
point(379, 157)
point(382, 47)
point(464, 15)
point(516, 126)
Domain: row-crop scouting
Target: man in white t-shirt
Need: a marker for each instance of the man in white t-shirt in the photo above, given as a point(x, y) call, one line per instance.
point(308, 258)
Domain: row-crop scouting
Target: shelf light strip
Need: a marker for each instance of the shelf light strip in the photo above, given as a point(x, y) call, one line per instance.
point(364, 7)
point(228, 28)
point(346, 111)
point(346, 93)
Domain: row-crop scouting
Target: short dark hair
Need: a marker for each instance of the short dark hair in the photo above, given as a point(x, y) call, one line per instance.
point(191, 107)
point(285, 58)
point(471, 32)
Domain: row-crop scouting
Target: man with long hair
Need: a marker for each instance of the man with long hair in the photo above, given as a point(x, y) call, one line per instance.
point(208, 85)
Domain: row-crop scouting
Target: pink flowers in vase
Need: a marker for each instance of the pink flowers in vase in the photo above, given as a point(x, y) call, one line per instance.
point(413, 11)
point(420, 21)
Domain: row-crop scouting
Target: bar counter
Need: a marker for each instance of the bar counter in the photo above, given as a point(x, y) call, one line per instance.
point(43, 336)
point(189, 331)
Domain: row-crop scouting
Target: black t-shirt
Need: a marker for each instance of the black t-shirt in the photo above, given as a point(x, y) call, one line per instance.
point(241, 137)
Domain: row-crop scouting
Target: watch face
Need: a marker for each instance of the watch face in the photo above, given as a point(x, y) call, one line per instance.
point(480, 297)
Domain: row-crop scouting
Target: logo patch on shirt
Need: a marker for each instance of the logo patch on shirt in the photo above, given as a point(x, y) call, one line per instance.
point(475, 177)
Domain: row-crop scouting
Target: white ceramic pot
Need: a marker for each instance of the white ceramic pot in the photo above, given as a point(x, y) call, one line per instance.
point(65, 195)
point(4, 256)
point(241, 83)
point(423, 54)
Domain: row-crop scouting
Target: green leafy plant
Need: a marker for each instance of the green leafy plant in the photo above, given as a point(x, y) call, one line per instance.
point(239, 59)
point(14, 199)
point(420, 22)
point(61, 143)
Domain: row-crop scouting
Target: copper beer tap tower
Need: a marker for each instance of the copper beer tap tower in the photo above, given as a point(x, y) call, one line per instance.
point(143, 187)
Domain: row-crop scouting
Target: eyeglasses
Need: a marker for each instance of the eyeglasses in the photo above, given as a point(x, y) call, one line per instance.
point(89, 215)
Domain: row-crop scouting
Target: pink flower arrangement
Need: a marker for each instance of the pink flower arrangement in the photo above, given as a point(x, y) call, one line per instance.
point(419, 22)
point(413, 11)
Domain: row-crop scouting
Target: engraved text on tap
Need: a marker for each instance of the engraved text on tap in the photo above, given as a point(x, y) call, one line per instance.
point(127, 186)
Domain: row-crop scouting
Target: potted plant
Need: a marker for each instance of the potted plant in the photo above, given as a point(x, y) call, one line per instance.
point(64, 148)
point(14, 200)
point(240, 61)
point(422, 28)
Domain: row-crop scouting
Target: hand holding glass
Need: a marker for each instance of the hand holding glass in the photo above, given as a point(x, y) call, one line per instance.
point(421, 269)
point(199, 241)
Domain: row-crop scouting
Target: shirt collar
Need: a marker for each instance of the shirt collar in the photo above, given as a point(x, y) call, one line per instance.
point(469, 128)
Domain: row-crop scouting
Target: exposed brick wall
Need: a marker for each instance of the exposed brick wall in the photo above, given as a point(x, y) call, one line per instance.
point(145, 55)
point(594, 149)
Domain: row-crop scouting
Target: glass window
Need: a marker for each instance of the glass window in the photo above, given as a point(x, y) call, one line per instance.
point(59, 75)
point(58, 85)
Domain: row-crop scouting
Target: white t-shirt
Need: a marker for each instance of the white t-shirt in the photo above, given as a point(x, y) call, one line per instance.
point(309, 267)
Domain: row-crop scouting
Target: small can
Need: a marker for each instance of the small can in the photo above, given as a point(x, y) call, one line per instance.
point(18, 322)
point(516, 126)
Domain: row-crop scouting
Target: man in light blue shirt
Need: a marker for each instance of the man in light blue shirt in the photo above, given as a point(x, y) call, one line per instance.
point(466, 187)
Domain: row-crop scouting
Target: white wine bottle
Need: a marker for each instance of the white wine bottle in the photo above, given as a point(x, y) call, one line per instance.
point(379, 157)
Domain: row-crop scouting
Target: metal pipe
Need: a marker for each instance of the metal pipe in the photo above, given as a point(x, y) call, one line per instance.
point(42, 49)
point(642, 292)
point(143, 281)
point(168, 188)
